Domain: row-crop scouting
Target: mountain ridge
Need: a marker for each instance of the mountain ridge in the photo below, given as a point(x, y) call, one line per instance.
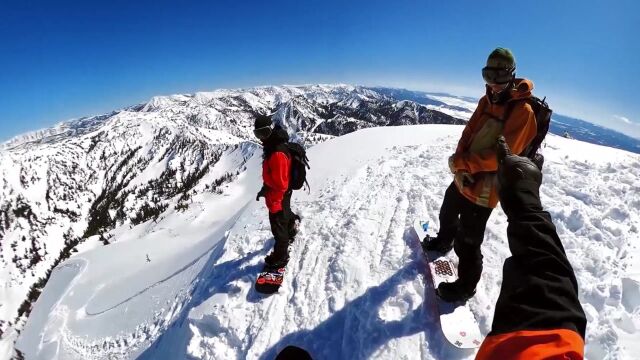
point(561, 124)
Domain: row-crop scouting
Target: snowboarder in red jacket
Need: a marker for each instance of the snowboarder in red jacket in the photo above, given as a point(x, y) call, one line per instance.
point(276, 170)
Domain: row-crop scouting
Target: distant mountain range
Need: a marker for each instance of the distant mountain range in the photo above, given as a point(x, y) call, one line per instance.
point(591, 133)
point(462, 107)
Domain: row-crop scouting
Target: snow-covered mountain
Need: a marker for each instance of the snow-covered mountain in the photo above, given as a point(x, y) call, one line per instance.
point(84, 183)
point(180, 287)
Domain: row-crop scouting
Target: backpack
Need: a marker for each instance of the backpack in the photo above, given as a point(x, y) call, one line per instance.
point(299, 165)
point(543, 119)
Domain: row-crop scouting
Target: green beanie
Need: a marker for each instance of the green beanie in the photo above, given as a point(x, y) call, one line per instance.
point(501, 58)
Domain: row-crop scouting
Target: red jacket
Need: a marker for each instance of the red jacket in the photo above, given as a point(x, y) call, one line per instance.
point(275, 175)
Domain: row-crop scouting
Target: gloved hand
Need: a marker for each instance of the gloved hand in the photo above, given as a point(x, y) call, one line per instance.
point(261, 193)
point(451, 168)
point(519, 181)
point(463, 178)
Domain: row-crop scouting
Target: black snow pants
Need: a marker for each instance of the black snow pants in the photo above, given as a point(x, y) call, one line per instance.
point(283, 229)
point(463, 223)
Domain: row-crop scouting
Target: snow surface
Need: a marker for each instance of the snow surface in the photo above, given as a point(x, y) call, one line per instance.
point(355, 287)
point(54, 178)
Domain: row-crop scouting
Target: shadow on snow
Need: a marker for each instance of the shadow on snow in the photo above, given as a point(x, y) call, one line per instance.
point(356, 331)
point(212, 279)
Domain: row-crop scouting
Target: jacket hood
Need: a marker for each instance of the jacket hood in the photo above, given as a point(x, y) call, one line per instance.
point(278, 136)
point(521, 89)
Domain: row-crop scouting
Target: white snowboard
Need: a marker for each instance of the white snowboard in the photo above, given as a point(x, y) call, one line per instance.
point(457, 321)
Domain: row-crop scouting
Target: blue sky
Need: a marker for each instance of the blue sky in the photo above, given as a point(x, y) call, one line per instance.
point(67, 59)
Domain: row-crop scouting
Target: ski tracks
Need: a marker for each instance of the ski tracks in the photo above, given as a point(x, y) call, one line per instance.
point(598, 222)
point(354, 287)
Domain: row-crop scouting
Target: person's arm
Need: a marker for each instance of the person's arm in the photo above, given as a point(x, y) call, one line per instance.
point(469, 129)
point(278, 178)
point(518, 131)
point(262, 192)
point(538, 313)
point(279, 172)
point(462, 176)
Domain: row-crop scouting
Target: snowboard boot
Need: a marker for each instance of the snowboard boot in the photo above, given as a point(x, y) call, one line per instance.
point(436, 244)
point(454, 291)
point(274, 262)
point(295, 228)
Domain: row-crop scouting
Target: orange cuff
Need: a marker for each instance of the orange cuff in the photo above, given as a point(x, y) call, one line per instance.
point(529, 344)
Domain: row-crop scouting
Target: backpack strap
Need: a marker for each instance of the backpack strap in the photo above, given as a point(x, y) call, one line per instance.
point(292, 154)
point(283, 148)
point(531, 149)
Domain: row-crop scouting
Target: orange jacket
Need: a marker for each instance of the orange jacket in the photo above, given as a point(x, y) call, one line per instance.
point(476, 151)
point(560, 344)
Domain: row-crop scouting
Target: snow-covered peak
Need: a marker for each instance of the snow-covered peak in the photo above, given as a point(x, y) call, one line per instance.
point(317, 93)
point(32, 136)
point(159, 102)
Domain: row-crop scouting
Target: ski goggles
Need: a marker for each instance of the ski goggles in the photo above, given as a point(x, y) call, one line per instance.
point(263, 132)
point(497, 76)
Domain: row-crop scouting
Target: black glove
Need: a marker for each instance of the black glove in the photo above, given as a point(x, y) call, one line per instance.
point(519, 181)
point(261, 193)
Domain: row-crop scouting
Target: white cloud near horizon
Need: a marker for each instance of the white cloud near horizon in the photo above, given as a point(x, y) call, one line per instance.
point(625, 120)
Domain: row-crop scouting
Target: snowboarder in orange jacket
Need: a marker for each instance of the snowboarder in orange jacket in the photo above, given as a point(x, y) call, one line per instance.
point(471, 197)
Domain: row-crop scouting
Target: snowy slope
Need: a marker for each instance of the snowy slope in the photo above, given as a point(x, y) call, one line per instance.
point(61, 193)
point(355, 288)
point(79, 184)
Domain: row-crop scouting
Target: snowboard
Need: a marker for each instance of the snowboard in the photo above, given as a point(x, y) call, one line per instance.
point(458, 323)
point(269, 279)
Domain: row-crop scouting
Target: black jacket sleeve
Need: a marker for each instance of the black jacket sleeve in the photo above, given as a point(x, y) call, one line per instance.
point(539, 288)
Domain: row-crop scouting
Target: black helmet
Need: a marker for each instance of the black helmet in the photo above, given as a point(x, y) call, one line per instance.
point(262, 126)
